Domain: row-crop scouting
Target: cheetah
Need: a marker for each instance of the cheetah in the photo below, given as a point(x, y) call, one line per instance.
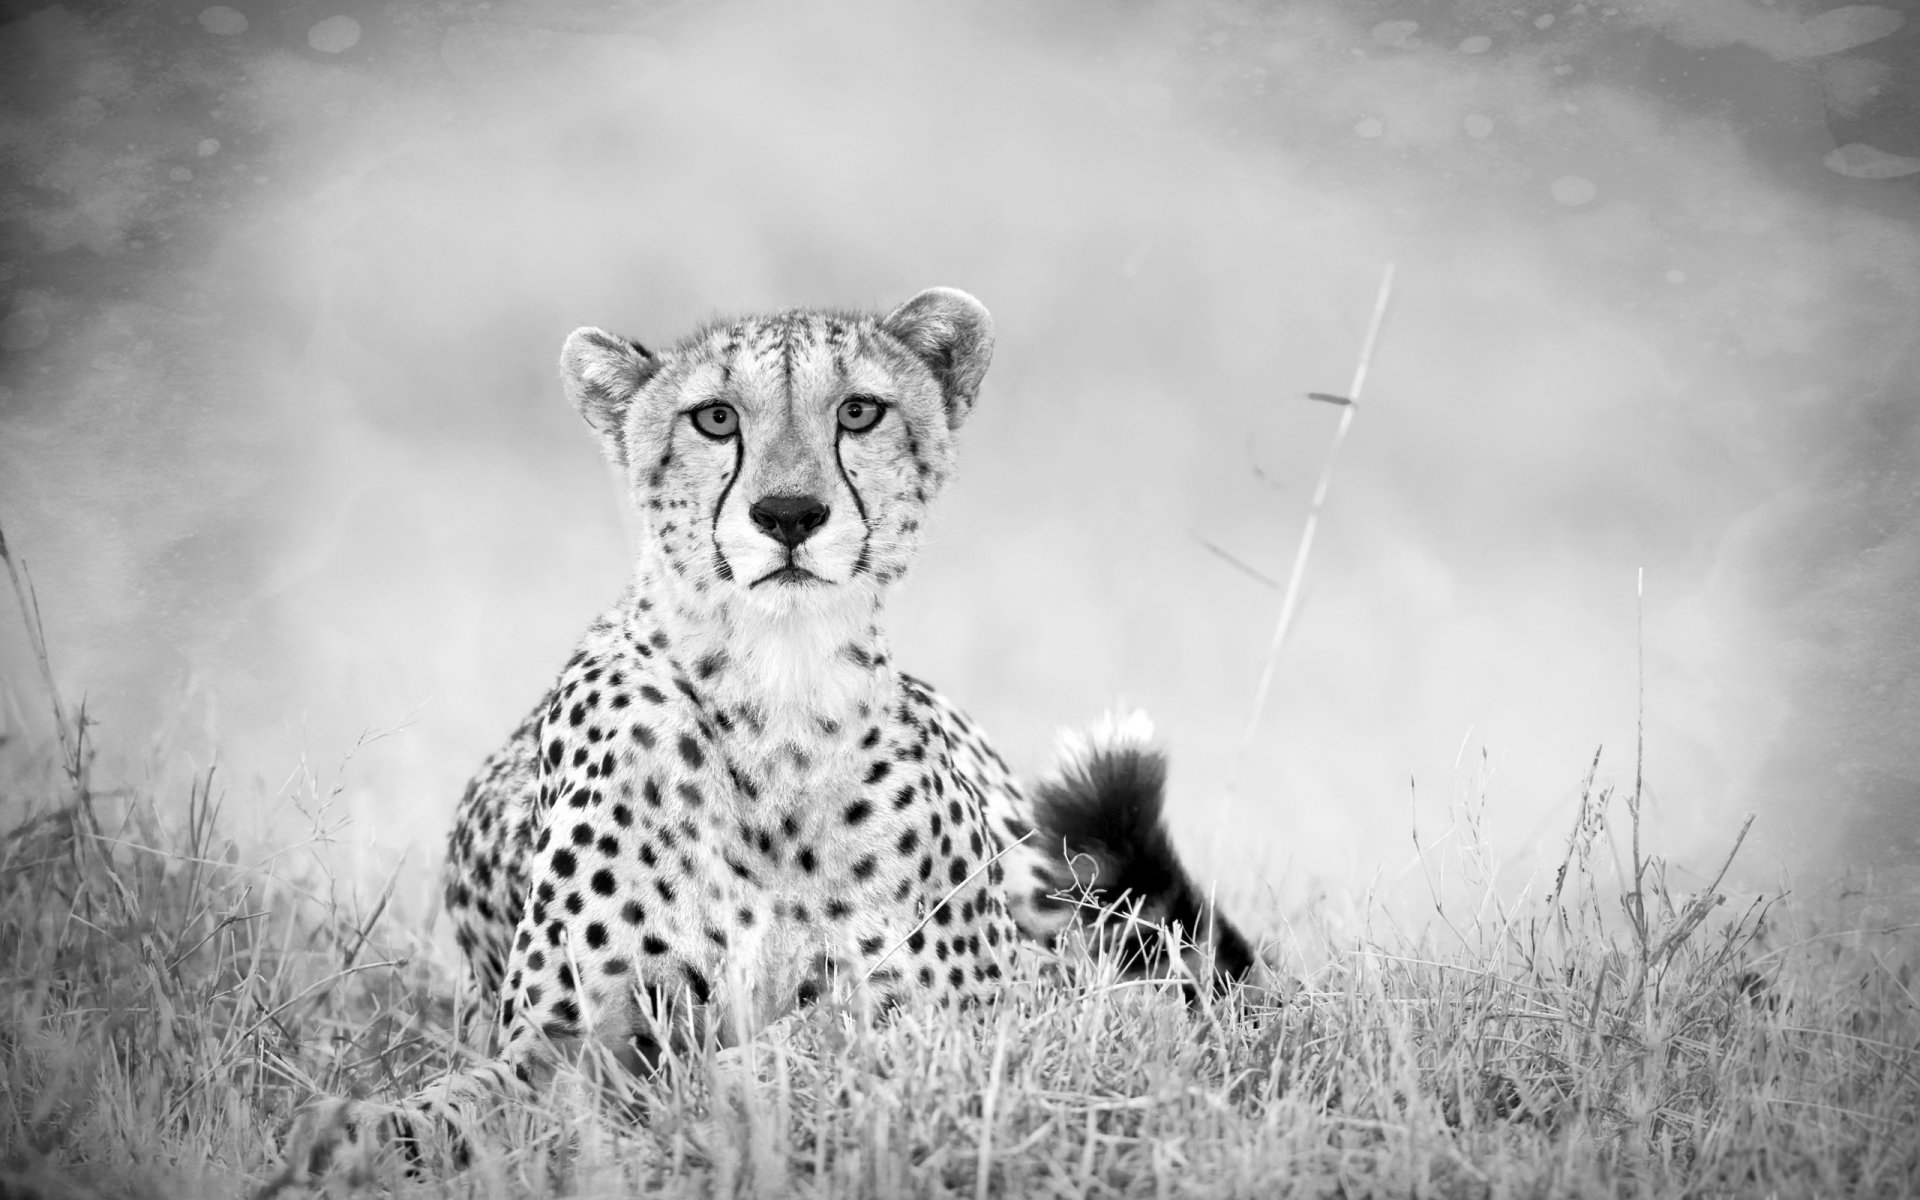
point(732, 801)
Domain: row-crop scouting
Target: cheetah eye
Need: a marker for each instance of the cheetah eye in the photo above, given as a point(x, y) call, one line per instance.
point(717, 420)
point(860, 413)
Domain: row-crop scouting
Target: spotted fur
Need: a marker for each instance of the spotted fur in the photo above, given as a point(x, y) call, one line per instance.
point(731, 802)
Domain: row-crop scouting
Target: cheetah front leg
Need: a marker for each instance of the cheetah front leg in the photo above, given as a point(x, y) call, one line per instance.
point(545, 1025)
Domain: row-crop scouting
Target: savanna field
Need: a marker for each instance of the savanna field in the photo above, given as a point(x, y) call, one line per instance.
point(172, 997)
point(281, 287)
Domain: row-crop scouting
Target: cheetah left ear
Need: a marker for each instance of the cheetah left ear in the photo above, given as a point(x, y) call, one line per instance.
point(952, 334)
point(601, 374)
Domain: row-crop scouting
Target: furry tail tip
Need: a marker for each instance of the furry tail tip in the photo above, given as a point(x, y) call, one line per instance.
point(1100, 819)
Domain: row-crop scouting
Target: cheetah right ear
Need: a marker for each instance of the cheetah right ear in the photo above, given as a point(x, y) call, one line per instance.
point(601, 374)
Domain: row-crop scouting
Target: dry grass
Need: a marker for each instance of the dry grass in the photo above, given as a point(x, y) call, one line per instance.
point(171, 998)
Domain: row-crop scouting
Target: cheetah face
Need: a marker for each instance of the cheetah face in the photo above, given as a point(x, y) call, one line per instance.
point(787, 460)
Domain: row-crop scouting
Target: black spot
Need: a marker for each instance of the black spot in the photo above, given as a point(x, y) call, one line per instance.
point(872, 739)
point(652, 694)
point(536, 961)
point(690, 794)
point(632, 913)
point(957, 871)
point(872, 945)
point(903, 798)
point(864, 868)
point(908, 843)
point(805, 859)
point(857, 812)
point(534, 993)
point(640, 733)
point(957, 976)
point(837, 910)
point(563, 863)
point(697, 984)
point(554, 752)
point(665, 889)
point(717, 936)
point(878, 771)
point(596, 935)
point(711, 665)
point(577, 715)
point(943, 915)
point(603, 882)
point(650, 792)
point(582, 834)
point(609, 846)
point(615, 966)
point(573, 904)
point(653, 945)
point(745, 918)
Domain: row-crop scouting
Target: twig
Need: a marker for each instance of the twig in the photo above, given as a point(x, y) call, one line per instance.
point(1235, 560)
point(1290, 603)
point(71, 752)
point(1638, 897)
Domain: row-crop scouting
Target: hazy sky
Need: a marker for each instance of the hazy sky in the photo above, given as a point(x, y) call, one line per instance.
point(283, 287)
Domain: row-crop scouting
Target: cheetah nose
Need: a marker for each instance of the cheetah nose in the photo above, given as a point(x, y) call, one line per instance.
point(788, 520)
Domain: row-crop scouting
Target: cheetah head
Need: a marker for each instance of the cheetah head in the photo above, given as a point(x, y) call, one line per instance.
point(787, 461)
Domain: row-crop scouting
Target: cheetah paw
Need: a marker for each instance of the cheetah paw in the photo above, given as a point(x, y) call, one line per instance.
point(333, 1137)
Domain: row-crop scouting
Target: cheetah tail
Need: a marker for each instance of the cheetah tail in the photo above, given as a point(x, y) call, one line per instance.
point(1099, 822)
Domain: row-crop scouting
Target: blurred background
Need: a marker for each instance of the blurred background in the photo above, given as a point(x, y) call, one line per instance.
point(281, 441)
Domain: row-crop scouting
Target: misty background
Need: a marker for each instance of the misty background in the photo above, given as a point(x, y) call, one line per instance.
point(281, 440)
